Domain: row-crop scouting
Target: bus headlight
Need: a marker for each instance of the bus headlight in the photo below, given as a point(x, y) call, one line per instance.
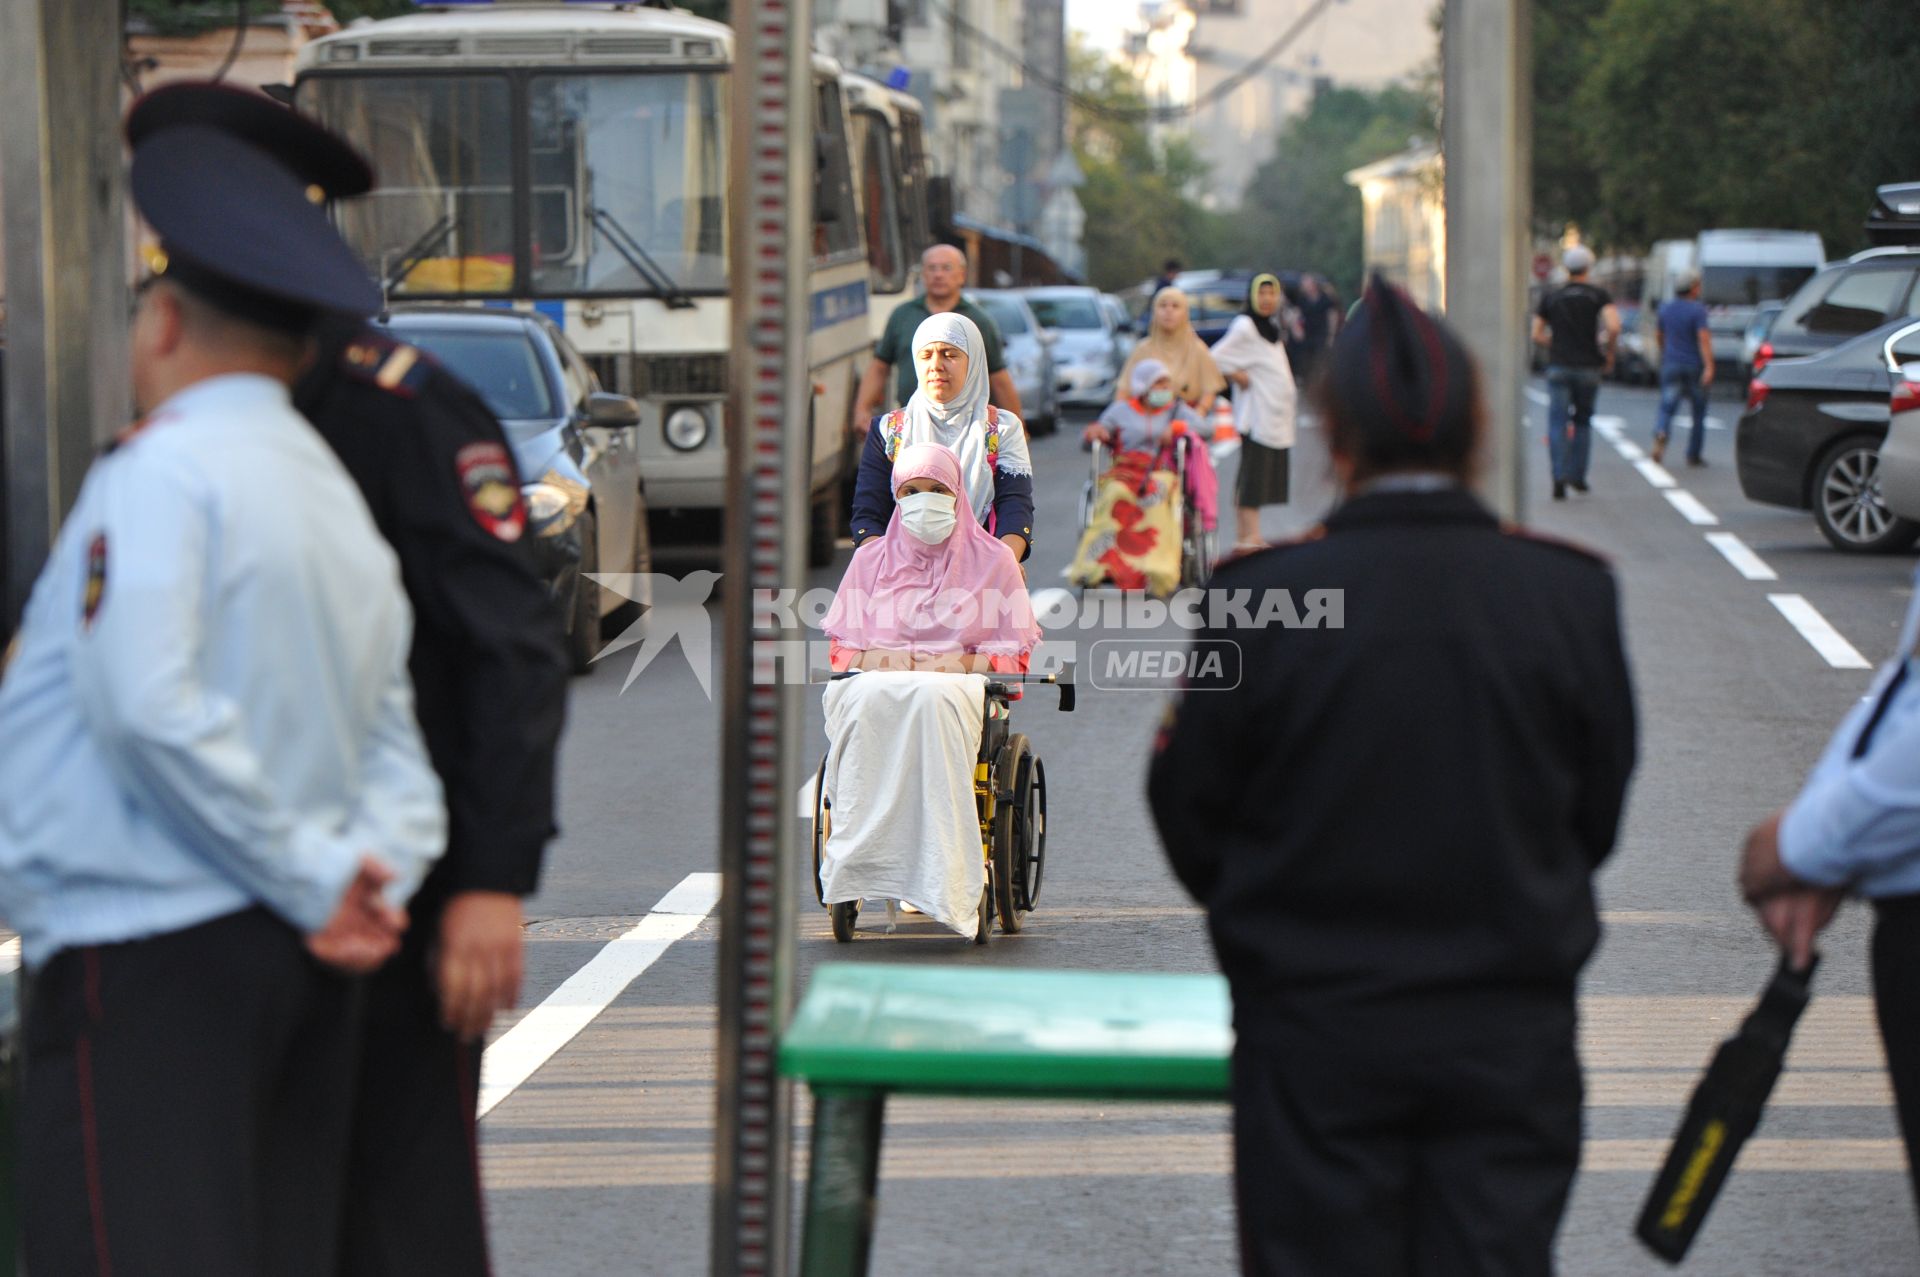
point(686, 429)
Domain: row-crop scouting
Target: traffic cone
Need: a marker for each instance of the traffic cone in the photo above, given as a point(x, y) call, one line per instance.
point(1223, 427)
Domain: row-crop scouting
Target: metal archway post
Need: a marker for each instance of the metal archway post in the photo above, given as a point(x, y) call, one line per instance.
point(1487, 55)
point(769, 238)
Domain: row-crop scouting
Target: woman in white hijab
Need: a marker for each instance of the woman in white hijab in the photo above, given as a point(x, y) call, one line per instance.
point(951, 408)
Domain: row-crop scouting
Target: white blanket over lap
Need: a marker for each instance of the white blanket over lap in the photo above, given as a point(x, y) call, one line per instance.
point(900, 780)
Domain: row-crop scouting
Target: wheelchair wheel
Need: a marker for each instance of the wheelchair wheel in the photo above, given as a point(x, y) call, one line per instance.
point(1030, 832)
point(1014, 760)
point(846, 916)
point(822, 821)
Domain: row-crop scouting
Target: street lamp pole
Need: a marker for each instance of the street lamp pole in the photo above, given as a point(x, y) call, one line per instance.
point(1487, 142)
point(770, 159)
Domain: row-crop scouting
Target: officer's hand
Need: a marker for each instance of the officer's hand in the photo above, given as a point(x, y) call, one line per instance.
point(1795, 917)
point(478, 963)
point(364, 930)
point(1761, 873)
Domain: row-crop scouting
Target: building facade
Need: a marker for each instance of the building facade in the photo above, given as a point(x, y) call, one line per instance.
point(1404, 212)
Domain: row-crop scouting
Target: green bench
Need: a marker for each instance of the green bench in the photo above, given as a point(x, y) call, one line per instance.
point(867, 1030)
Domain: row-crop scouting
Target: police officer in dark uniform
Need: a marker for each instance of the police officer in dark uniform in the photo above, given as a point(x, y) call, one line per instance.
point(490, 674)
point(1393, 825)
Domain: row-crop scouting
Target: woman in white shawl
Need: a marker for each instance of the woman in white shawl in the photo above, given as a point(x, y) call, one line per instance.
point(1253, 356)
point(951, 408)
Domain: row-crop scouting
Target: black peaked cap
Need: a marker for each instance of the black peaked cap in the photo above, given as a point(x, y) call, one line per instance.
point(316, 155)
point(1395, 362)
point(238, 228)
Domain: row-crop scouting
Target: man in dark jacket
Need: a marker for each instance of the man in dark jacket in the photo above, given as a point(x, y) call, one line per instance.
point(490, 679)
point(1393, 824)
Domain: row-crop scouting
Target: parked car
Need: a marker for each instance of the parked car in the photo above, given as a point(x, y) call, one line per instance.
point(1739, 270)
point(1756, 337)
point(576, 448)
point(1811, 435)
point(1636, 362)
point(1086, 349)
point(1214, 304)
point(1843, 301)
point(1029, 351)
point(1123, 333)
point(1900, 451)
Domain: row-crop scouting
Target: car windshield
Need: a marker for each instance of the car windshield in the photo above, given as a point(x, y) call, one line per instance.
point(1751, 285)
point(1007, 315)
point(502, 366)
point(1066, 312)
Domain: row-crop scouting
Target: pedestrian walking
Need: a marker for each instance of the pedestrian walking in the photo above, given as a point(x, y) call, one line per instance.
point(214, 798)
point(489, 669)
point(1854, 830)
point(1253, 356)
point(1169, 277)
point(1581, 330)
point(943, 269)
point(1686, 367)
point(1319, 320)
point(1393, 825)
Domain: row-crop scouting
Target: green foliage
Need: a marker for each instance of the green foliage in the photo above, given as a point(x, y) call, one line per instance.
point(1141, 199)
point(1565, 182)
point(1298, 211)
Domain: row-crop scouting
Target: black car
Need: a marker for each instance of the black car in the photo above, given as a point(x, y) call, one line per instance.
point(1842, 301)
point(1810, 437)
point(574, 445)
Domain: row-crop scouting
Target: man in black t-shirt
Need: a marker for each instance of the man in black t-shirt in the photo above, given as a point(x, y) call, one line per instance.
point(1581, 329)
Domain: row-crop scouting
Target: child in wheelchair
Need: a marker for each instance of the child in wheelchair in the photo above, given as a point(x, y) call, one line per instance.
point(925, 612)
point(1136, 537)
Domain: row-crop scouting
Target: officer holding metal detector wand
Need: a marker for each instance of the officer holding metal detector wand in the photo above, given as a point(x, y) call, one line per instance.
point(1855, 829)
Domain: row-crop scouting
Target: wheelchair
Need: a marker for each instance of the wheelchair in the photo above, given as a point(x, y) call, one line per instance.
point(1197, 545)
point(1010, 795)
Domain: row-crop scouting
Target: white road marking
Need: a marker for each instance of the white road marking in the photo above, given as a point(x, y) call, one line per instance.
point(1816, 630)
point(1690, 508)
point(521, 1050)
point(1744, 560)
point(9, 956)
point(1714, 423)
point(1538, 396)
point(1609, 426)
point(1655, 473)
point(1628, 449)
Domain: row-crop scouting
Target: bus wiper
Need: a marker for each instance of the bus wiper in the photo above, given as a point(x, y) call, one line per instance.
point(418, 251)
point(640, 260)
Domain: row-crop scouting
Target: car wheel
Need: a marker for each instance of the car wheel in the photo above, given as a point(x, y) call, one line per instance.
point(1847, 504)
point(583, 628)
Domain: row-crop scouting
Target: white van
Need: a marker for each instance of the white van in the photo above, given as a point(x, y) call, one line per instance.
point(1740, 270)
point(1667, 261)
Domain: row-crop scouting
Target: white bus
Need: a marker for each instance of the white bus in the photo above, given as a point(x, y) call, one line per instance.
point(573, 159)
point(890, 178)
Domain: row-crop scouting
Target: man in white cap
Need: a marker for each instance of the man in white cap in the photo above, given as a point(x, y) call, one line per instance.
point(1579, 326)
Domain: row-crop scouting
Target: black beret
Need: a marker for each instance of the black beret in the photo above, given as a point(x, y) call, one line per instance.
point(315, 154)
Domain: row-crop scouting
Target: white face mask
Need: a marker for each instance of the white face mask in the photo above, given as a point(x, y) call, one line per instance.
point(1159, 398)
point(928, 516)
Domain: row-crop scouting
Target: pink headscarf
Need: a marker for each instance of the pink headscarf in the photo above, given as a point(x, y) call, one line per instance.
point(965, 594)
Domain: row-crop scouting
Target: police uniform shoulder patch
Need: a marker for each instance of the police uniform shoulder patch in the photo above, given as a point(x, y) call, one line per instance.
point(1541, 538)
point(491, 488)
point(96, 587)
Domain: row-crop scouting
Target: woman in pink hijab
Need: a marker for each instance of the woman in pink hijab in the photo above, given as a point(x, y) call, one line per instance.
point(925, 611)
point(936, 591)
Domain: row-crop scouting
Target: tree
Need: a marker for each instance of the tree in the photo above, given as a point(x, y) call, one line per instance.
point(1298, 210)
point(1139, 196)
point(1698, 115)
point(1565, 182)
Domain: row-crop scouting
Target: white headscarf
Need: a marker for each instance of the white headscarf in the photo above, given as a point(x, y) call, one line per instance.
point(961, 423)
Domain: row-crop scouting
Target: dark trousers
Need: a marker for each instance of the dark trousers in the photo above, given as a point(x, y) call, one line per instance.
point(1571, 396)
point(414, 1206)
point(1896, 1000)
point(185, 1105)
point(1441, 1139)
point(1678, 383)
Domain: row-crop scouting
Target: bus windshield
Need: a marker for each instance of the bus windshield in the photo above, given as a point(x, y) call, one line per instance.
point(623, 189)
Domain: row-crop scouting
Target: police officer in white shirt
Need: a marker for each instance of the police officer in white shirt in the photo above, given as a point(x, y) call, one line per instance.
point(214, 798)
point(1854, 829)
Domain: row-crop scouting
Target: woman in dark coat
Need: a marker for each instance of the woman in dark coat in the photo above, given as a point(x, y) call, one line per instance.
point(1393, 821)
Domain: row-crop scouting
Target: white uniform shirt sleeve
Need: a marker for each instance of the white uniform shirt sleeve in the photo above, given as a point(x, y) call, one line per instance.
point(1859, 817)
point(401, 817)
point(177, 745)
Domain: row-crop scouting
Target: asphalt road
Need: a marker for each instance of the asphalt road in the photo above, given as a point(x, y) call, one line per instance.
point(599, 1161)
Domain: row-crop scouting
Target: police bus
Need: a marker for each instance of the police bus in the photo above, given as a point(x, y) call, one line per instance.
point(571, 158)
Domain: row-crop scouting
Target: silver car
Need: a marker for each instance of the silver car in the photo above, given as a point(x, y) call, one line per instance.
point(1029, 351)
point(1086, 350)
point(1900, 450)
